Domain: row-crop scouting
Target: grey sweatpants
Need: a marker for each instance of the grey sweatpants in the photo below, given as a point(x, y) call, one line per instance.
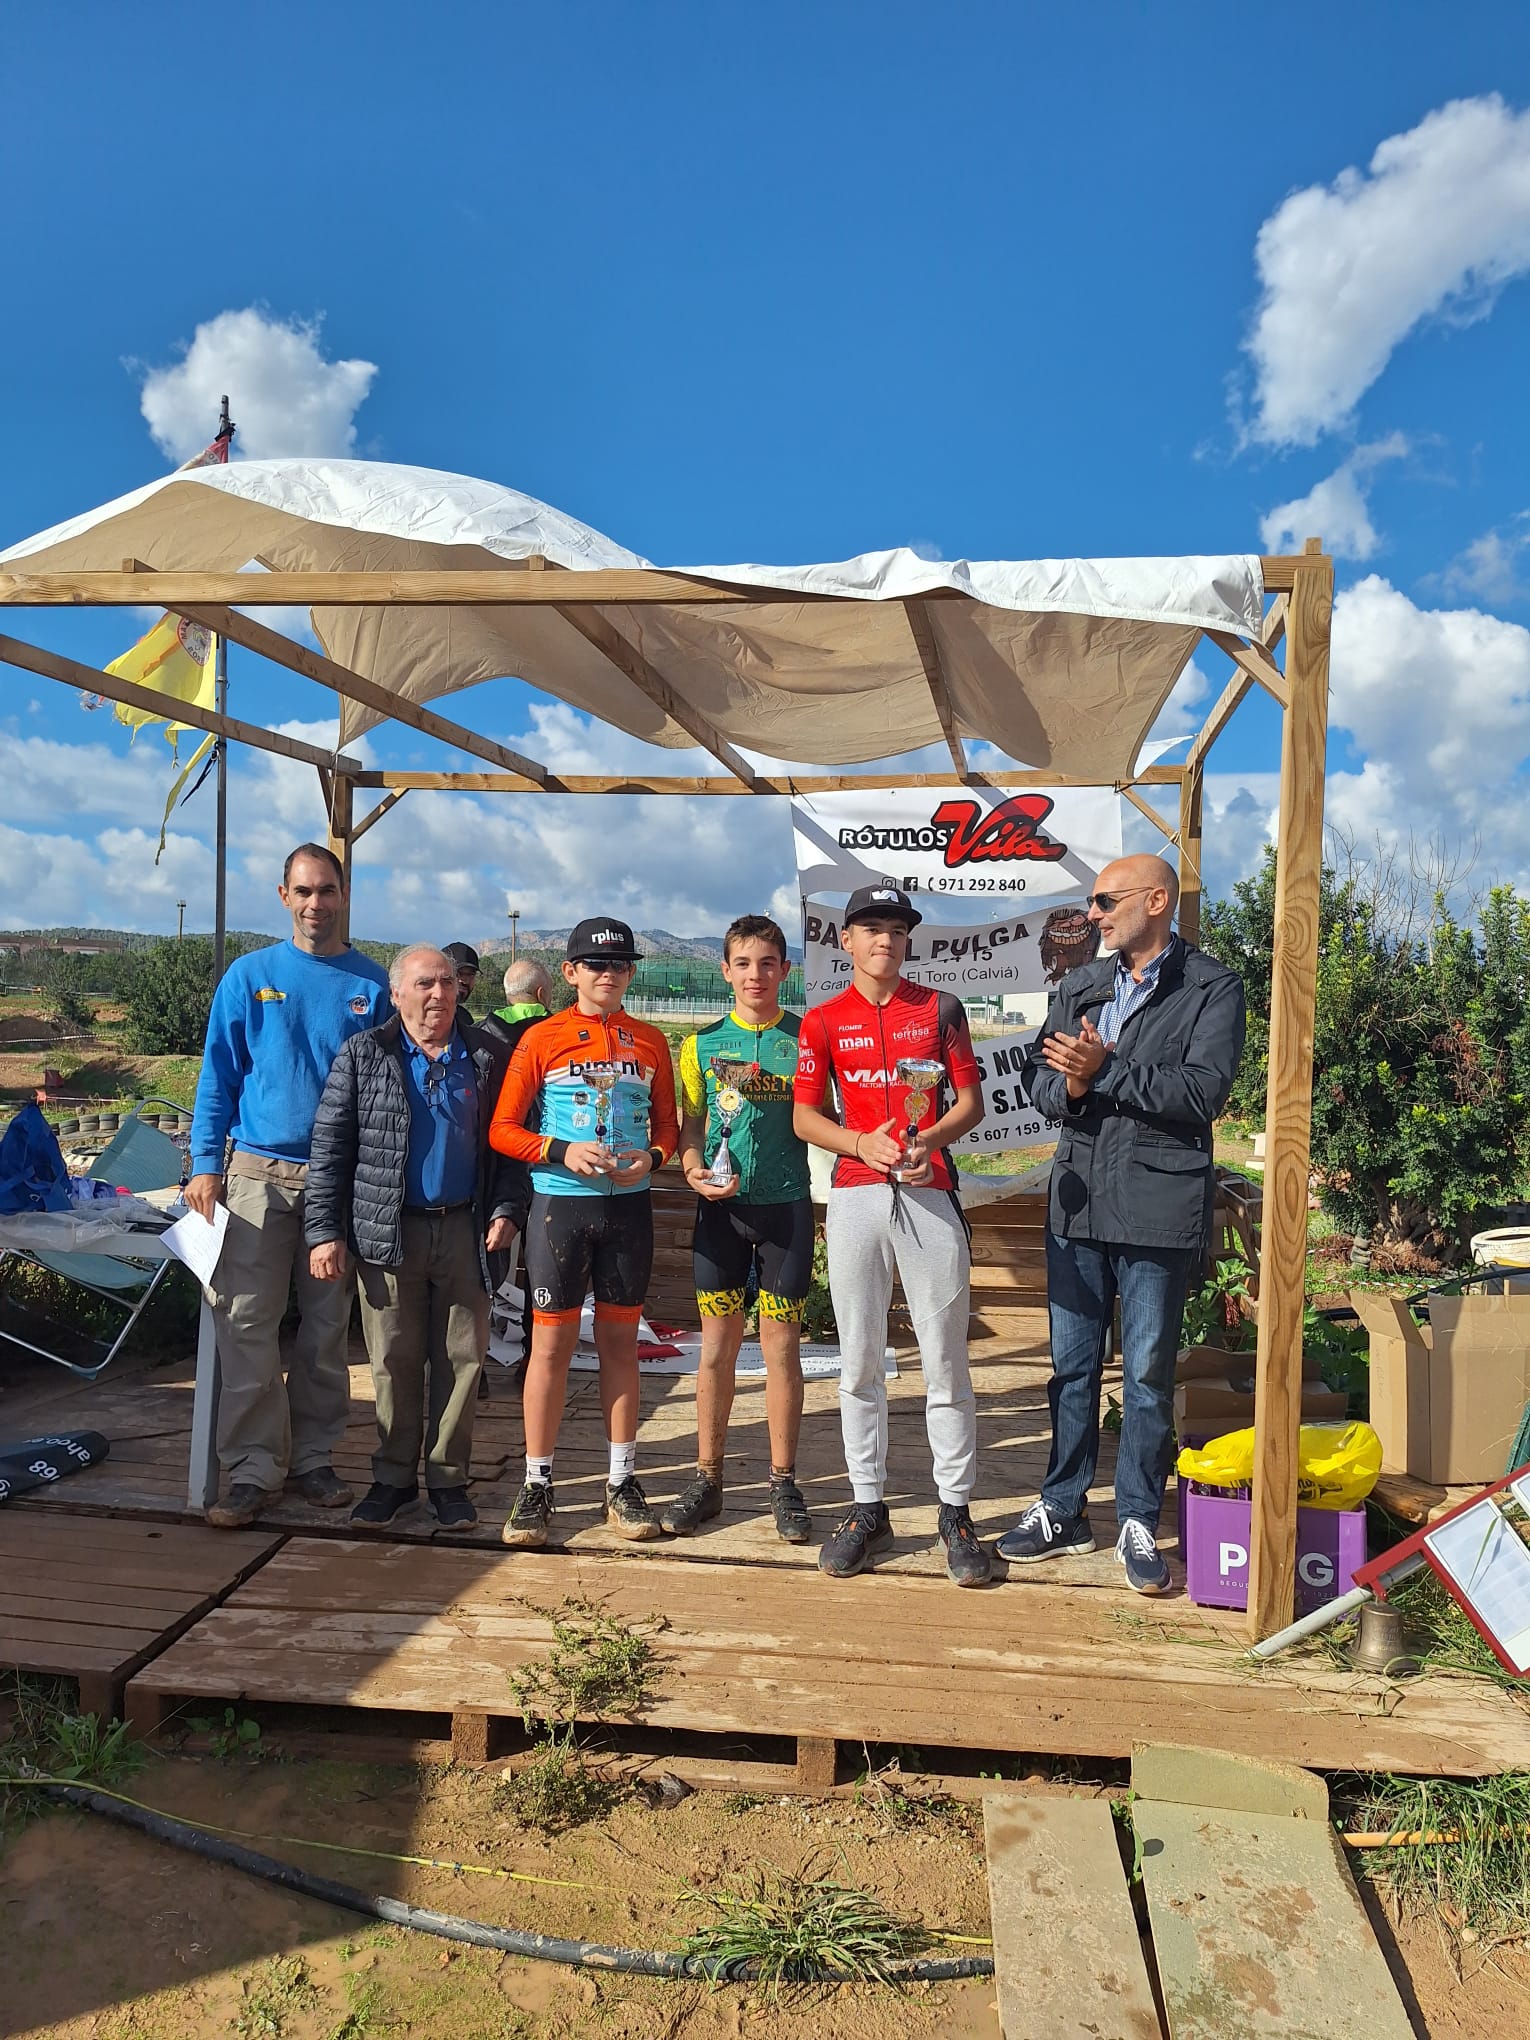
point(927, 1243)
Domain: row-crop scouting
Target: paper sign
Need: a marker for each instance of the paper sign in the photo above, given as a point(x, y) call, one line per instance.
point(196, 1243)
point(1008, 1120)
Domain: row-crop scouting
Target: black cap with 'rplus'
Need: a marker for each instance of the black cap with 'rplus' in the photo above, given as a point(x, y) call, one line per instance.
point(602, 940)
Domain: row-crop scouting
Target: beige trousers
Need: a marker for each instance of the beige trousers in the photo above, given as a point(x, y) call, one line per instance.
point(267, 1428)
point(427, 1329)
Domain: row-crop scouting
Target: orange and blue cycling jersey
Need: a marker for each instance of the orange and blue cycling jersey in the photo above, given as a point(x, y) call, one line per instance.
point(546, 1101)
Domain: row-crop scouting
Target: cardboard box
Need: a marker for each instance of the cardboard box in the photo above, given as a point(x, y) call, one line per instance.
point(1447, 1397)
point(1210, 1363)
point(1214, 1536)
point(1209, 1400)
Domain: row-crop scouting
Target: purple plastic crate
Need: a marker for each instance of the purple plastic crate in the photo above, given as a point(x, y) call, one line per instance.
point(1214, 1534)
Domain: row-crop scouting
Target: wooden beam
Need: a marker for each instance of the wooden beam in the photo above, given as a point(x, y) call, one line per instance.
point(1279, 571)
point(376, 814)
point(1288, 1110)
point(1191, 789)
point(646, 677)
point(1254, 660)
point(701, 784)
point(1232, 694)
point(929, 657)
point(341, 838)
point(180, 588)
point(54, 666)
point(1142, 807)
point(270, 644)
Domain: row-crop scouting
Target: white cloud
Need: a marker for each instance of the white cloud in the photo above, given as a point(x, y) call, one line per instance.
point(284, 396)
point(1490, 566)
point(1185, 710)
point(1335, 509)
point(1437, 223)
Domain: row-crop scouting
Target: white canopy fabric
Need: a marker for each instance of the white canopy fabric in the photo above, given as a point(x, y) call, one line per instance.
point(1062, 664)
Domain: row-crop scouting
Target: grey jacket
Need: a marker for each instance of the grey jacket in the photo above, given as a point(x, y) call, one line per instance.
point(1133, 1164)
point(355, 1187)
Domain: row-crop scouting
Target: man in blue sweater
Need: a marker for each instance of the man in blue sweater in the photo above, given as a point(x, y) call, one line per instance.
point(277, 1021)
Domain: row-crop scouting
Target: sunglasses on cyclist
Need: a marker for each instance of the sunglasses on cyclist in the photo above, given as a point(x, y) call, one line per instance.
point(1106, 900)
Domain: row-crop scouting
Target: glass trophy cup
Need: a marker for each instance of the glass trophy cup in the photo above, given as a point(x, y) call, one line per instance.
point(729, 1102)
point(922, 1077)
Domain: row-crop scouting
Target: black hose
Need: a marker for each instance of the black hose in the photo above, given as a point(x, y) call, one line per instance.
point(510, 1940)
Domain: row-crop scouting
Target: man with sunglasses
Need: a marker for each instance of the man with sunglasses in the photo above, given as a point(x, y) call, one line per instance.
point(1135, 1062)
point(592, 1147)
point(402, 1175)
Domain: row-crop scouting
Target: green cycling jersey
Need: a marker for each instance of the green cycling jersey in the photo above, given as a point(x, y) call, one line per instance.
point(771, 1162)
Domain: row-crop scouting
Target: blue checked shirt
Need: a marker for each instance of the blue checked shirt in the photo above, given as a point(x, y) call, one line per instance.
point(1130, 994)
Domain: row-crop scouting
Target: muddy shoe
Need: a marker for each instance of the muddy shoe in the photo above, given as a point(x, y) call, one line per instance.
point(866, 1529)
point(322, 1488)
point(790, 1511)
point(628, 1513)
point(239, 1507)
point(529, 1521)
point(967, 1560)
point(695, 1504)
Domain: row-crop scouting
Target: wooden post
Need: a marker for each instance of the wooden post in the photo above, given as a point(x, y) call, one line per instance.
point(342, 791)
point(1288, 1110)
point(1191, 788)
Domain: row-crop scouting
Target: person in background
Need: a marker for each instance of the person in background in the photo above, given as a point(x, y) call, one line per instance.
point(464, 959)
point(402, 1175)
point(1136, 1060)
point(278, 1020)
point(591, 1222)
point(528, 997)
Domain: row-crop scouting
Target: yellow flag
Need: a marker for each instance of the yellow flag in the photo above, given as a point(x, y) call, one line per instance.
point(182, 776)
point(177, 659)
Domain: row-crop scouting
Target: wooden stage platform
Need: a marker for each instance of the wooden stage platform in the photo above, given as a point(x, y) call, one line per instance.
point(1057, 1661)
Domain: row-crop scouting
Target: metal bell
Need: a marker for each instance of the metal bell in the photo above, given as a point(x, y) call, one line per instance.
point(1381, 1643)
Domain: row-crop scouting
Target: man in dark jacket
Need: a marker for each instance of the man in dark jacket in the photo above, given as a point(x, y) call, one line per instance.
point(402, 1172)
point(528, 989)
point(1135, 1062)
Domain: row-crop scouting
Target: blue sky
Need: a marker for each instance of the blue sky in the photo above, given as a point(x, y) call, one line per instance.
point(783, 284)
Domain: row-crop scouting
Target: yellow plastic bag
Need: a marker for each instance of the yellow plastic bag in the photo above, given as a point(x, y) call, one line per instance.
point(1337, 1464)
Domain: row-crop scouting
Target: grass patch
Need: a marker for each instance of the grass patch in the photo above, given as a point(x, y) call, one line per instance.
point(283, 1991)
point(885, 1796)
point(1478, 1878)
point(598, 1667)
point(788, 1927)
point(48, 1735)
point(556, 1789)
point(1440, 1635)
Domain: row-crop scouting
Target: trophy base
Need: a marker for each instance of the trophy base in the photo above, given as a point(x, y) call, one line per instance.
point(715, 1182)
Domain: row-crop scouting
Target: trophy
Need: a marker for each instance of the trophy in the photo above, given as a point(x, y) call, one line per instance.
point(921, 1076)
point(729, 1100)
point(602, 1079)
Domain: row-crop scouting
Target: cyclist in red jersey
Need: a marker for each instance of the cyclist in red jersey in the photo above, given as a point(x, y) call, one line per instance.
point(878, 1221)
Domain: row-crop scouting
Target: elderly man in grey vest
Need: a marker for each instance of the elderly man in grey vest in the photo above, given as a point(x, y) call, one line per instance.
point(1135, 1062)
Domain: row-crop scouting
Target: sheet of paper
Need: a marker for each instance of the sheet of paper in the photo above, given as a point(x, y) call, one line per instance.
point(192, 1240)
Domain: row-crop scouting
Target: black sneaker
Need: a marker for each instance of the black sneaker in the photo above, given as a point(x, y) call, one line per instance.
point(790, 1511)
point(1042, 1533)
point(322, 1487)
point(967, 1561)
point(383, 1504)
point(698, 1502)
point(528, 1522)
point(628, 1513)
point(1137, 1549)
point(867, 1528)
point(239, 1507)
point(452, 1509)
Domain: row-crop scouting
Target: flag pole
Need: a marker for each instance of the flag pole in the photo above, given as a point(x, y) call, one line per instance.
point(220, 882)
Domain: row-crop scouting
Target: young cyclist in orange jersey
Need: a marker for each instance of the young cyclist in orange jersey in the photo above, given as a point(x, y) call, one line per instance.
point(591, 1221)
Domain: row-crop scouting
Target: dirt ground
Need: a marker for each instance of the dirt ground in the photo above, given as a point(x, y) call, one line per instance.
point(113, 1936)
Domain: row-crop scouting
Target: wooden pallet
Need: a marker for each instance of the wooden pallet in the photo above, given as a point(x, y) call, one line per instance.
point(755, 1651)
point(94, 1600)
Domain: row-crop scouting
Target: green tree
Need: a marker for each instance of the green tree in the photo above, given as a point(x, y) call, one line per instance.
point(169, 997)
point(61, 973)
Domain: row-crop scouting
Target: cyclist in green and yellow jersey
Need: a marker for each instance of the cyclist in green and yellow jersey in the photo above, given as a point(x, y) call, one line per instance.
point(760, 1220)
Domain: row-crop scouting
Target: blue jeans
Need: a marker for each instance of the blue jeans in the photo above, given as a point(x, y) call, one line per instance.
point(1084, 1279)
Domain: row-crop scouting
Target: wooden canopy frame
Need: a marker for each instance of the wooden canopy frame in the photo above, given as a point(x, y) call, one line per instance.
point(1301, 586)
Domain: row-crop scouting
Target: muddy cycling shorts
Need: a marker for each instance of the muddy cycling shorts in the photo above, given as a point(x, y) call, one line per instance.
point(773, 1240)
point(576, 1244)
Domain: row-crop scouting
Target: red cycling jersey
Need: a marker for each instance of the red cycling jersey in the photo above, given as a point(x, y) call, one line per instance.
point(860, 1045)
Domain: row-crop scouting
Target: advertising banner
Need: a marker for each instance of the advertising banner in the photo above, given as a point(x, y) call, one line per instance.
point(974, 960)
point(967, 842)
point(1008, 1121)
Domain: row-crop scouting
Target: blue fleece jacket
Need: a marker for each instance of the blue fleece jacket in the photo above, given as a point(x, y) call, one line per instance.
point(277, 1021)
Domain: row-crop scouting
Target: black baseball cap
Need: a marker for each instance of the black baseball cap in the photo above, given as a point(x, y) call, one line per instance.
point(459, 952)
point(602, 940)
point(882, 903)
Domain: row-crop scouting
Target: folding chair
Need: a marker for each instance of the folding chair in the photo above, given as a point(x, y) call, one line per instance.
point(136, 1158)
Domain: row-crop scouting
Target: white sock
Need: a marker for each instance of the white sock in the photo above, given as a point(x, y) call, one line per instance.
point(539, 1469)
point(623, 1463)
